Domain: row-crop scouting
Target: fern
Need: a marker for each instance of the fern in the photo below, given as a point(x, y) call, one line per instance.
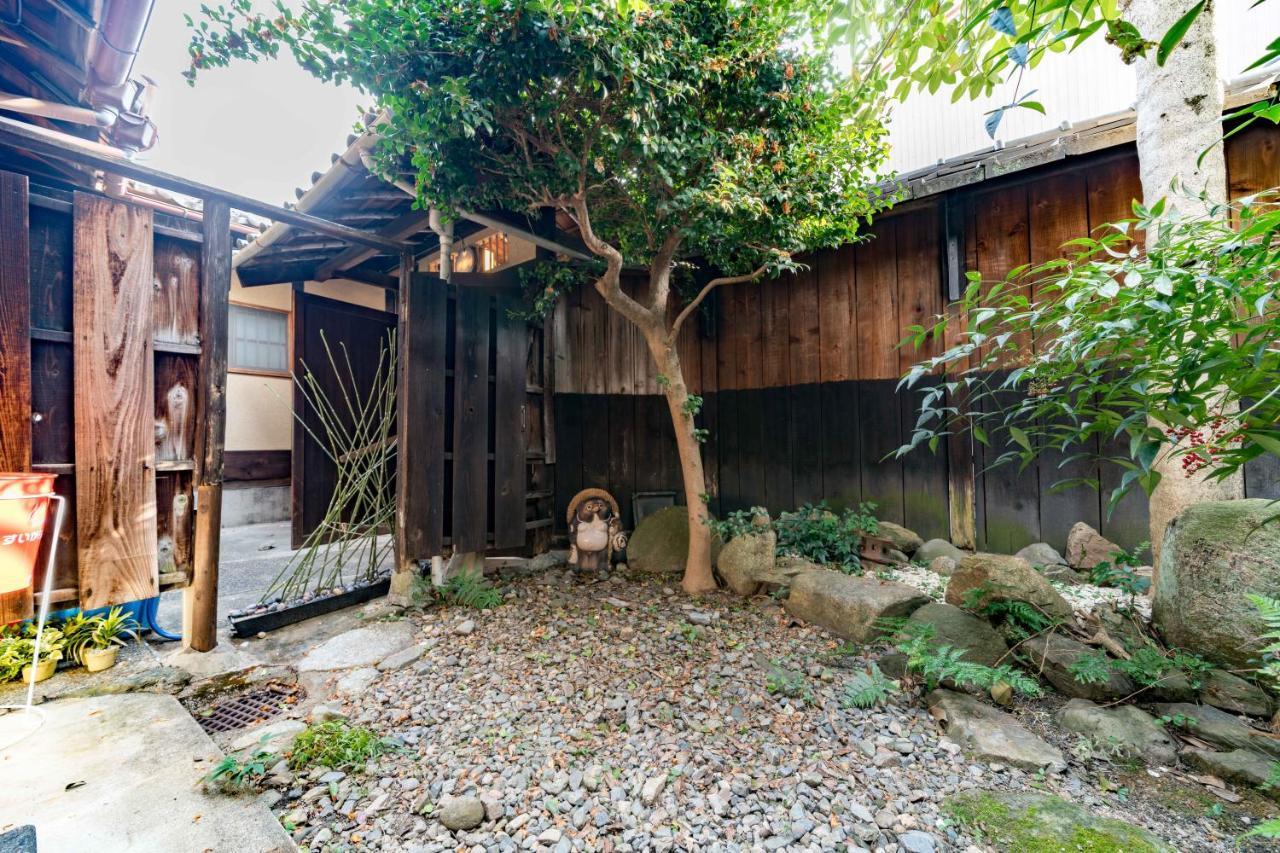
point(867, 689)
point(1023, 617)
point(1093, 668)
point(1269, 611)
point(1266, 829)
point(470, 591)
point(938, 664)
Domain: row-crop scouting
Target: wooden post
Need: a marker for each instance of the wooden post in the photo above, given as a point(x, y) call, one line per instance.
point(410, 532)
point(15, 354)
point(200, 598)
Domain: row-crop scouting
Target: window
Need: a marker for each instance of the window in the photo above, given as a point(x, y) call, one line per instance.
point(259, 340)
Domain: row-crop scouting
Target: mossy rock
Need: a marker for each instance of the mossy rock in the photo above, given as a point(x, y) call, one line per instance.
point(660, 543)
point(1037, 822)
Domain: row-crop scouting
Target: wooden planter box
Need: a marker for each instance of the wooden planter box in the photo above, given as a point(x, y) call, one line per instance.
point(250, 626)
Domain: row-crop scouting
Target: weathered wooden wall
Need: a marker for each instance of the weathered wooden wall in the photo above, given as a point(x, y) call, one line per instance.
point(799, 374)
point(100, 351)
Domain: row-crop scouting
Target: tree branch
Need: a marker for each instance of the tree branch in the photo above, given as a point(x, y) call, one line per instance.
point(706, 291)
point(660, 271)
point(608, 285)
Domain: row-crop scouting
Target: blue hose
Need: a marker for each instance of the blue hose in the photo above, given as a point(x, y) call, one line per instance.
point(144, 613)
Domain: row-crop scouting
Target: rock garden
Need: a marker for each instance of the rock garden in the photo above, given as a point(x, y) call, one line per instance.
point(950, 701)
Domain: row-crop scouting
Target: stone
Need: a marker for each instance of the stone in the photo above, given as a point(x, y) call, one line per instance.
point(465, 627)
point(279, 734)
point(1218, 727)
point(402, 658)
point(962, 630)
point(935, 548)
point(988, 734)
point(653, 789)
point(1122, 727)
point(1025, 822)
point(746, 559)
point(1002, 578)
point(850, 606)
point(916, 841)
point(1052, 656)
point(893, 663)
point(1064, 574)
point(1041, 554)
point(458, 813)
point(906, 541)
point(1213, 554)
point(325, 712)
point(1232, 693)
point(357, 681)
point(944, 566)
point(1173, 686)
point(1242, 766)
point(359, 647)
point(1087, 547)
point(660, 543)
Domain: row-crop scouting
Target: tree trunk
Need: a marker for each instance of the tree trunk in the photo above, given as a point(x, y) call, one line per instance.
point(698, 577)
point(1179, 110)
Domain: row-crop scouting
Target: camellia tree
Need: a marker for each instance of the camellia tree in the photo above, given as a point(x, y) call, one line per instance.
point(690, 135)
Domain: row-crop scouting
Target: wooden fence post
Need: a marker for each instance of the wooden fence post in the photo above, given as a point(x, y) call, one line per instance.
point(200, 604)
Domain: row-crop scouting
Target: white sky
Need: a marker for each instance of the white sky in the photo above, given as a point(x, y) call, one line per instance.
point(259, 130)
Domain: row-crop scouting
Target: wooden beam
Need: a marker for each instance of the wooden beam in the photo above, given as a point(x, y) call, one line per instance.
point(15, 325)
point(401, 228)
point(200, 598)
point(114, 402)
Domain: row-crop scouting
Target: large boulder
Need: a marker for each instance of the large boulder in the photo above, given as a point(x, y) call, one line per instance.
point(906, 541)
point(991, 735)
point(1001, 578)
point(962, 630)
point(850, 606)
point(944, 566)
point(1239, 765)
point(1125, 728)
point(1054, 655)
point(1213, 554)
point(746, 561)
point(1087, 547)
point(935, 548)
point(660, 543)
point(1023, 822)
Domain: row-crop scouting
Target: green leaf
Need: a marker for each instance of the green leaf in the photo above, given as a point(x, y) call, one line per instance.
point(1177, 31)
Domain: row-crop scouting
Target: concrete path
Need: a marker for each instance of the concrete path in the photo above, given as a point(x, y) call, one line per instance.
point(122, 773)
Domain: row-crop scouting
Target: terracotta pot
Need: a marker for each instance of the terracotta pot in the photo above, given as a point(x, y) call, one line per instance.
point(96, 660)
point(44, 670)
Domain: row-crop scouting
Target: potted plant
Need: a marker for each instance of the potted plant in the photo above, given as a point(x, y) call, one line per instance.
point(109, 634)
point(77, 634)
point(51, 645)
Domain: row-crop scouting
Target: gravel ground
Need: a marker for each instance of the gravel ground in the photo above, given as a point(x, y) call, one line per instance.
point(613, 715)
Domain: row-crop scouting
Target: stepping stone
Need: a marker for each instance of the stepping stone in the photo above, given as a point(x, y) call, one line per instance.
point(850, 606)
point(1218, 728)
point(1052, 656)
point(357, 681)
point(1242, 766)
point(1232, 693)
point(358, 648)
point(402, 658)
point(991, 735)
point(1123, 727)
point(1025, 822)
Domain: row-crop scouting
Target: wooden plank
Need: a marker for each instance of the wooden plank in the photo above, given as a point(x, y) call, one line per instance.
point(1253, 161)
point(876, 287)
point(247, 466)
point(510, 424)
point(805, 348)
point(730, 470)
point(114, 445)
point(837, 314)
point(51, 255)
point(924, 477)
point(175, 526)
point(1002, 232)
point(879, 426)
point(1059, 210)
point(727, 334)
point(175, 304)
point(804, 426)
point(15, 326)
point(753, 447)
point(775, 330)
point(751, 355)
point(1011, 494)
point(52, 404)
point(200, 598)
point(709, 420)
point(706, 322)
point(299, 475)
point(471, 422)
point(621, 437)
point(655, 445)
point(177, 378)
point(568, 475)
point(841, 458)
point(919, 282)
point(779, 466)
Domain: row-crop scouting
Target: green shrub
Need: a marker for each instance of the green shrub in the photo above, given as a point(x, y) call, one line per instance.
point(336, 745)
point(815, 533)
point(868, 689)
point(467, 590)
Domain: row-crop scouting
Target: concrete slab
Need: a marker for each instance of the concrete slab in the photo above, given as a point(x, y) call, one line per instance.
point(122, 773)
point(359, 648)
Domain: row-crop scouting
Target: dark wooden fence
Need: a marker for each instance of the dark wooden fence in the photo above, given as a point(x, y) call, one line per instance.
point(799, 374)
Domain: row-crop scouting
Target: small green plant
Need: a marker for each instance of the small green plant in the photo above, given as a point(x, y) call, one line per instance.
point(1147, 666)
point(867, 689)
point(1020, 618)
point(235, 775)
point(78, 630)
point(1091, 668)
point(938, 663)
point(815, 533)
point(738, 523)
point(787, 682)
point(1269, 656)
point(467, 590)
point(113, 629)
point(1120, 572)
point(336, 745)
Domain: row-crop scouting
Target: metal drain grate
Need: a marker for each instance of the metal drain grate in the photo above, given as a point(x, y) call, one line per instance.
point(248, 709)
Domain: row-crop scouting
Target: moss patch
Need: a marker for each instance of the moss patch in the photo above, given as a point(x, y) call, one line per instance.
point(1037, 823)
